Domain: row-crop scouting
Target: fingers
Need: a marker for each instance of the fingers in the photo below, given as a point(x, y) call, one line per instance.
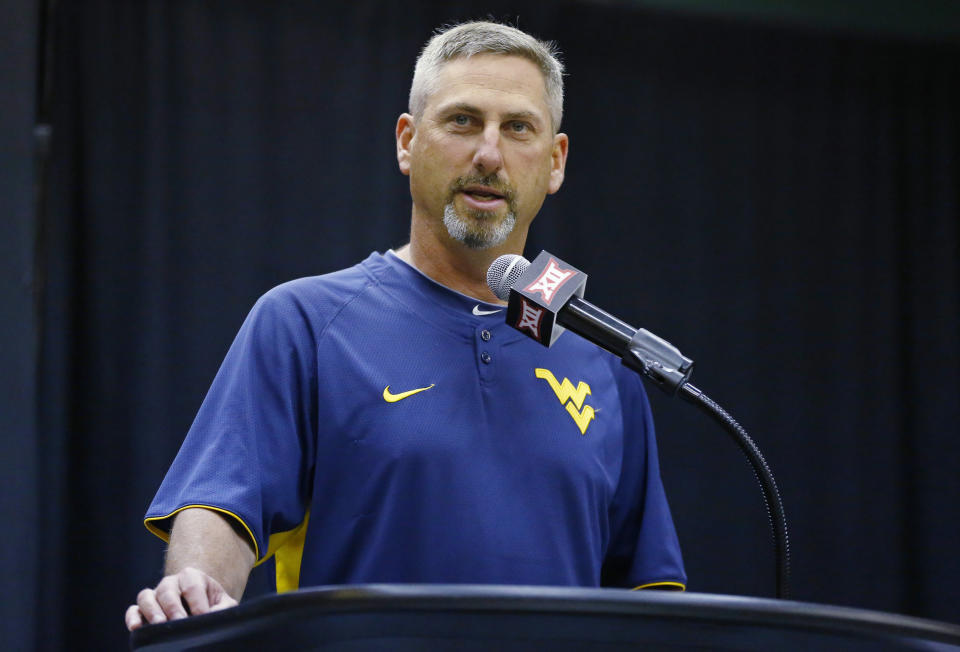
point(133, 619)
point(189, 592)
point(150, 608)
point(218, 596)
point(168, 594)
point(192, 584)
point(225, 603)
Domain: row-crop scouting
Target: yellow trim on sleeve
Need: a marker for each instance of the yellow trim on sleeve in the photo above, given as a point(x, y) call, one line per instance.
point(673, 586)
point(288, 547)
point(151, 525)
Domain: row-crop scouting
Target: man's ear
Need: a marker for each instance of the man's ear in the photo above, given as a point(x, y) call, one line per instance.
point(558, 162)
point(405, 132)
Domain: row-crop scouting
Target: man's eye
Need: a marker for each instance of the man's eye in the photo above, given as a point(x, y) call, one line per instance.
point(519, 127)
point(461, 120)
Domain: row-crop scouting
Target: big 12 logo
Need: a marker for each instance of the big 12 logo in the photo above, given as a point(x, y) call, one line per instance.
point(539, 294)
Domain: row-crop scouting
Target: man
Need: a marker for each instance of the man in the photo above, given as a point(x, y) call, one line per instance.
point(383, 423)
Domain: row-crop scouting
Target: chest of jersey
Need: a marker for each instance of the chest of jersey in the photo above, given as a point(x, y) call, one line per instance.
point(419, 397)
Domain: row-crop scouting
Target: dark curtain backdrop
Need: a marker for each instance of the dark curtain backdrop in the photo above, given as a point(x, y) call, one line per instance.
point(780, 204)
point(18, 329)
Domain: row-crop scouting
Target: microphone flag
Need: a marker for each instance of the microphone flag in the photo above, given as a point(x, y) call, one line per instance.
point(538, 295)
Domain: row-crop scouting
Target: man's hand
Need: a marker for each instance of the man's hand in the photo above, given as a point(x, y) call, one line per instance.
point(190, 589)
point(200, 539)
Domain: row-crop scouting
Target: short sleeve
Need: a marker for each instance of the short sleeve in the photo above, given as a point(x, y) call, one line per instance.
point(644, 551)
point(249, 451)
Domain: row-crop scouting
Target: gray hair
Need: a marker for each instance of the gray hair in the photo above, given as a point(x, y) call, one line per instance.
point(468, 39)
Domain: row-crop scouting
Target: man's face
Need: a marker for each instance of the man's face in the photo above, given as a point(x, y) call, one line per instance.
point(483, 154)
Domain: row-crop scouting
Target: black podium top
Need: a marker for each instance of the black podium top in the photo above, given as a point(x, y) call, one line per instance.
point(459, 617)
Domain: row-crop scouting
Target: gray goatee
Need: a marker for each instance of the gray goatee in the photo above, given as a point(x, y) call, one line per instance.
point(480, 232)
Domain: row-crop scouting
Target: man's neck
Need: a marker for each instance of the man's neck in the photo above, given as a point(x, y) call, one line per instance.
point(455, 265)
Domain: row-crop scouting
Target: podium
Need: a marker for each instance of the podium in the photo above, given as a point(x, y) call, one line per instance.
point(408, 617)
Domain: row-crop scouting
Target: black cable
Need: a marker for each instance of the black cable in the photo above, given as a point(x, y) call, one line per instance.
point(771, 496)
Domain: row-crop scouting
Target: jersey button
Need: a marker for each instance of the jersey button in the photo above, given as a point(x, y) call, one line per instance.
point(485, 357)
point(485, 335)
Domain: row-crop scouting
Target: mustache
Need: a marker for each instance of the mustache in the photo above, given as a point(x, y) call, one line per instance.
point(491, 181)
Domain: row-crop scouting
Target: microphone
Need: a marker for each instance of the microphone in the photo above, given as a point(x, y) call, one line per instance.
point(545, 298)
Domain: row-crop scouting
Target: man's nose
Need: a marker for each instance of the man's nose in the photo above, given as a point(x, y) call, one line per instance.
point(488, 159)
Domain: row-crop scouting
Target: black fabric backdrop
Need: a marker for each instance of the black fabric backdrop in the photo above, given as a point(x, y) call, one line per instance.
point(780, 204)
point(18, 331)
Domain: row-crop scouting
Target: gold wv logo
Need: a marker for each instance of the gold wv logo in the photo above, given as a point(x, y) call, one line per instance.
point(570, 398)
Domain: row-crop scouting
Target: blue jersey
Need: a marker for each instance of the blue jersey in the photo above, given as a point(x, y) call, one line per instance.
point(371, 425)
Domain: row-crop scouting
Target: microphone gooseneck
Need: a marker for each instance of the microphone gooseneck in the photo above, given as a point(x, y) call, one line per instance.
point(538, 306)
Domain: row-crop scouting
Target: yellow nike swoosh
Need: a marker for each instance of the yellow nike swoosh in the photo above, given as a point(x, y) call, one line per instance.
point(393, 398)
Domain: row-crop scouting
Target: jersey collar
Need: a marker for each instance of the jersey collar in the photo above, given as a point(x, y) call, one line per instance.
point(435, 302)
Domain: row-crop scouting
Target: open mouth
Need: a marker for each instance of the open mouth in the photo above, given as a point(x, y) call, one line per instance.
point(483, 193)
